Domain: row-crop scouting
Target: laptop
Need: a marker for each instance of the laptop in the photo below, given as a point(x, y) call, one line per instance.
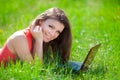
point(76, 66)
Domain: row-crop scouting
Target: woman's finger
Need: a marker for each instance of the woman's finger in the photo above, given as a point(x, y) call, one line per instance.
point(37, 28)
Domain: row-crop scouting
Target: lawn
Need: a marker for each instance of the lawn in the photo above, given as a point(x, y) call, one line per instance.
point(92, 22)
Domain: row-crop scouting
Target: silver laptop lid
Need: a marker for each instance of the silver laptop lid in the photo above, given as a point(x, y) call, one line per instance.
point(90, 56)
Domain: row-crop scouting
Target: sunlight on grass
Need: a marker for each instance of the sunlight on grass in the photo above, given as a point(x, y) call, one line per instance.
point(1, 31)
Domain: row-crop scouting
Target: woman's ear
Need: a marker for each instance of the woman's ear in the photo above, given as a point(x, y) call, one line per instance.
point(40, 22)
point(35, 22)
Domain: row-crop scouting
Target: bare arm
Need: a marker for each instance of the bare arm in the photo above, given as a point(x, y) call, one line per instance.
point(20, 47)
point(38, 47)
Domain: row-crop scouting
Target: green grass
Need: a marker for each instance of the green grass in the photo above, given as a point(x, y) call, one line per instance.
point(92, 22)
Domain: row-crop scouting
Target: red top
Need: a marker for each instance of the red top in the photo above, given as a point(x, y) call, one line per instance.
point(6, 54)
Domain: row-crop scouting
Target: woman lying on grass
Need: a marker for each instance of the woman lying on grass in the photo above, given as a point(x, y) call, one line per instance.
point(50, 28)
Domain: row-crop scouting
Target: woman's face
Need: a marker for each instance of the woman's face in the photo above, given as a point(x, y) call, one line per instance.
point(51, 29)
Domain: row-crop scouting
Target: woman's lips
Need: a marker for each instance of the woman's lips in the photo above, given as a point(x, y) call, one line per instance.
point(47, 36)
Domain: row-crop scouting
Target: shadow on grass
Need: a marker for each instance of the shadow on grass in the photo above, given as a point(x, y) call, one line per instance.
point(99, 71)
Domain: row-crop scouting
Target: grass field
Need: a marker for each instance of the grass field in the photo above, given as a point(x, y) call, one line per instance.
point(92, 22)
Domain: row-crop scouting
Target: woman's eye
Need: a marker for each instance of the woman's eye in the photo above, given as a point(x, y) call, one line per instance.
point(50, 26)
point(58, 32)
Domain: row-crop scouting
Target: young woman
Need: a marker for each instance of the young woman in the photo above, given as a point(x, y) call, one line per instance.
point(50, 28)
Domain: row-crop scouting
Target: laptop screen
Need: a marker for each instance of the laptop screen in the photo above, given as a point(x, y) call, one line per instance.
point(90, 56)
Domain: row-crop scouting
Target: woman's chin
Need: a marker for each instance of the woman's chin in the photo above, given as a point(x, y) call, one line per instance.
point(46, 41)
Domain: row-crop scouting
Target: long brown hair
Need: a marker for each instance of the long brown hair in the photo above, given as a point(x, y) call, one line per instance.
point(62, 44)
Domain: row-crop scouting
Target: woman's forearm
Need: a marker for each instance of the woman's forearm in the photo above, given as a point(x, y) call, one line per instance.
point(38, 49)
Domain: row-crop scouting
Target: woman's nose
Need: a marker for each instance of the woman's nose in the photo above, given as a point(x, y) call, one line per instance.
point(52, 33)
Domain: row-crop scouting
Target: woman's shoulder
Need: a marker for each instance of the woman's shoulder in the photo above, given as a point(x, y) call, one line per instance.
point(19, 33)
point(17, 37)
point(20, 36)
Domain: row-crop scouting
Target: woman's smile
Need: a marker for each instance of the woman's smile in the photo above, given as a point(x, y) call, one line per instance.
point(47, 36)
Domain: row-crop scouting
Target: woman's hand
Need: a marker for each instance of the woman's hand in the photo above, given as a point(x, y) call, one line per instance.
point(36, 32)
